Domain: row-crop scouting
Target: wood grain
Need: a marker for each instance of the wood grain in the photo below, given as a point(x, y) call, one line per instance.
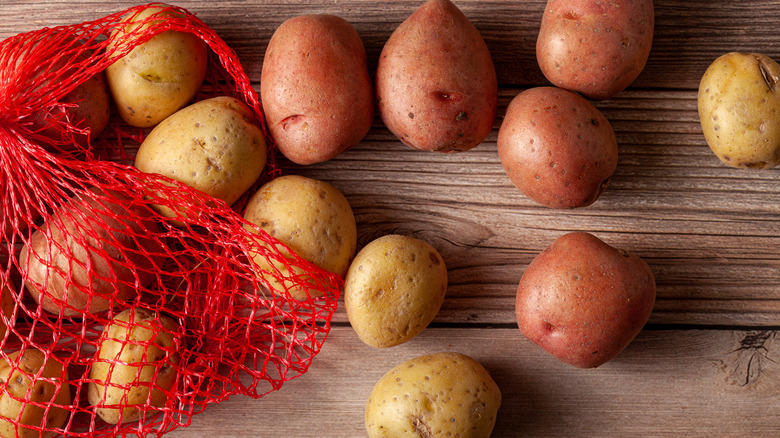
point(688, 34)
point(705, 365)
point(666, 384)
point(704, 229)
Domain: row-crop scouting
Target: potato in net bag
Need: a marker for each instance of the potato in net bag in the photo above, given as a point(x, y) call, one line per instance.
point(116, 319)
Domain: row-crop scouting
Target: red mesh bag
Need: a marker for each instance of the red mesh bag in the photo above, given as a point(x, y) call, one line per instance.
point(113, 313)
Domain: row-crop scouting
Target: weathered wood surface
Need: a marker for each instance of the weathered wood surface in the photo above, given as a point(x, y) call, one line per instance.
point(707, 363)
point(672, 383)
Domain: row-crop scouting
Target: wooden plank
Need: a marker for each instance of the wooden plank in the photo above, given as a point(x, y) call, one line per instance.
point(708, 231)
point(711, 235)
point(667, 383)
point(688, 34)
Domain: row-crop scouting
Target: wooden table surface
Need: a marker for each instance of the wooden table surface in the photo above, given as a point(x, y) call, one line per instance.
point(707, 363)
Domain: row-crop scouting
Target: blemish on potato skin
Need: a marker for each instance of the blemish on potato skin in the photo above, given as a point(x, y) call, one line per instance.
point(571, 15)
point(448, 96)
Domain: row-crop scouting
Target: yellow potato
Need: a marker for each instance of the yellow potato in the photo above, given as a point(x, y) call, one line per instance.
point(311, 217)
point(24, 385)
point(438, 395)
point(158, 77)
point(394, 288)
point(738, 103)
point(136, 353)
point(215, 146)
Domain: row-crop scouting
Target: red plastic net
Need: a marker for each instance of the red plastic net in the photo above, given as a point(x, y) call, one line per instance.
point(113, 313)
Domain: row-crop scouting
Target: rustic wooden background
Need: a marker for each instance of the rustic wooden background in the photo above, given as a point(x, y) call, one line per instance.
point(707, 363)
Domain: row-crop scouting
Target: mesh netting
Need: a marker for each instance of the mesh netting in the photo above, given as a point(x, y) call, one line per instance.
point(115, 314)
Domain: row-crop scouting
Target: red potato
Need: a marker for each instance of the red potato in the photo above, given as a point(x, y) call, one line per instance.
point(584, 301)
point(557, 148)
point(89, 254)
point(435, 81)
point(79, 116)
point(315, 87)
point(15, 221)
point(88, 110)
point(595, 47)
point(7, 304)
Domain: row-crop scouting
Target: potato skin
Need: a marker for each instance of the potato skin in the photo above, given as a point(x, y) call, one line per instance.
point(311, 217)
point(584, 301)
point(557, 148)
point(94, 279)
point(88, 104)
point(596, 48)
point(739, 103)
point(436, 84)
point(215, 146)
point(158, 77)
point(441, 394)
point(7, 304)
point(136, 350)
point(316, 91)
point(90, 111)
point(20, 219)
point(20, 380)
point(394, 289)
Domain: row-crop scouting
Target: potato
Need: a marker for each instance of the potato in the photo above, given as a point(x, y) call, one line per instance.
point(317, 95)
point(436, 84)
point(394, 289)
point(595, 48)
point(739, 103)
point(24, 388)
point(312, 218)
point(19, 210)
point(215, 146)
point(443, 394)
point(135, 366)
point(557, 148)
point(157, 77)
point(86, 107)
point(584, 301)
point(7, 304)
point(89, 111)
point(82, 261)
